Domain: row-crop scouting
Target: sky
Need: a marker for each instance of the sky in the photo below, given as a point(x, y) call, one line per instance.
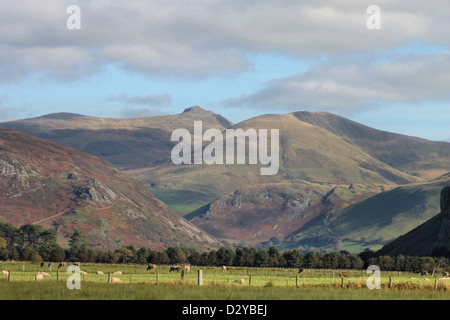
point(388, 69)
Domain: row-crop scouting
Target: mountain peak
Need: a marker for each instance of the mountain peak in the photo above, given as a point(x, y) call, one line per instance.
point(62, 116)
point(196, 109)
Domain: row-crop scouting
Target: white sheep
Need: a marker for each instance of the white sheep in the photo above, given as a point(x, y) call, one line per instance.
point(5, 273)
point(118, 272)
point(115, 280)
point(83, 272)
point(39, 276)
point(44, 274)
point(100, 273)
point(239, 281)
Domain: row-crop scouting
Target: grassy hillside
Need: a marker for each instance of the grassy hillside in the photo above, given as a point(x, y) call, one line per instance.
point(55, 186)
point(375, 220)
point(416, 156)
point(307, 154)
point(127, 143)
point(364, 186)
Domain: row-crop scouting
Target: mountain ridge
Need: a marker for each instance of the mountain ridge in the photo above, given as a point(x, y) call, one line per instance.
point(60, 187)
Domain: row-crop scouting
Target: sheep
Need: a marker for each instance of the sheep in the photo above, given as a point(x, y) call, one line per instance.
point(83, 272)
point(224, 268)
point(117, 272)
point(44, 274)
point(38, 276)
point(5, 273)
point(100, 273)
point(175, 268)
point(151, 267)
point(115, 280)
point(239, 281)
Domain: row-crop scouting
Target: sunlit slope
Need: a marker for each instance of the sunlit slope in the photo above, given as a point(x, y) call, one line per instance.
point(127, 143)
point(428, 159)
point(378, 219)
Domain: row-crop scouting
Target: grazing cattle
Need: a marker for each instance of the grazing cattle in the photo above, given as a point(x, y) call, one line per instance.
point(151, 267)
point(62, 264)
point(224, 268)
point(100, 273)
point(175, 268)
point(5, 273)
point(239, 281)
point(115, 280)
point(423, 273)
point(187, 268)
point(445, 274)
point(301, 270)
point(117, 272)
point(343, 275)
point(42, 264)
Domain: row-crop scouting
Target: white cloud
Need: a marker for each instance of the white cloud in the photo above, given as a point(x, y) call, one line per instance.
point(200, 38)
point(356, 84)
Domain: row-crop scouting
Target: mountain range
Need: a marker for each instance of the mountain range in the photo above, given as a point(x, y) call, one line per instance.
point(340, 184)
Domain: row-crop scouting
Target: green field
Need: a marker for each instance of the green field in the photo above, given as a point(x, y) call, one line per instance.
point(260, 284)
point(183, 201)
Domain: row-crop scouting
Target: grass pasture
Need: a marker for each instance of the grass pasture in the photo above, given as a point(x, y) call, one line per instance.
point(260, 284)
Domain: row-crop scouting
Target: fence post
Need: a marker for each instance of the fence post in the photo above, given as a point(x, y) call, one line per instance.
point(57, 275)
point(200, 278)
point(109, 277)
point(9, 275)
point(250, 281)
point(390, 282)
point(296, 281)
point(342, 282)
point(157, 277)
point(182, 276)
point(435, 284)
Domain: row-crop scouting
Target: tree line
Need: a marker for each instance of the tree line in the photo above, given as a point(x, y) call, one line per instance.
point(36, 244)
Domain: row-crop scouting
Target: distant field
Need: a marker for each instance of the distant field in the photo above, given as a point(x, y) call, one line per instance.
point(183, 201)
point(266, 283)
point(350, 246)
